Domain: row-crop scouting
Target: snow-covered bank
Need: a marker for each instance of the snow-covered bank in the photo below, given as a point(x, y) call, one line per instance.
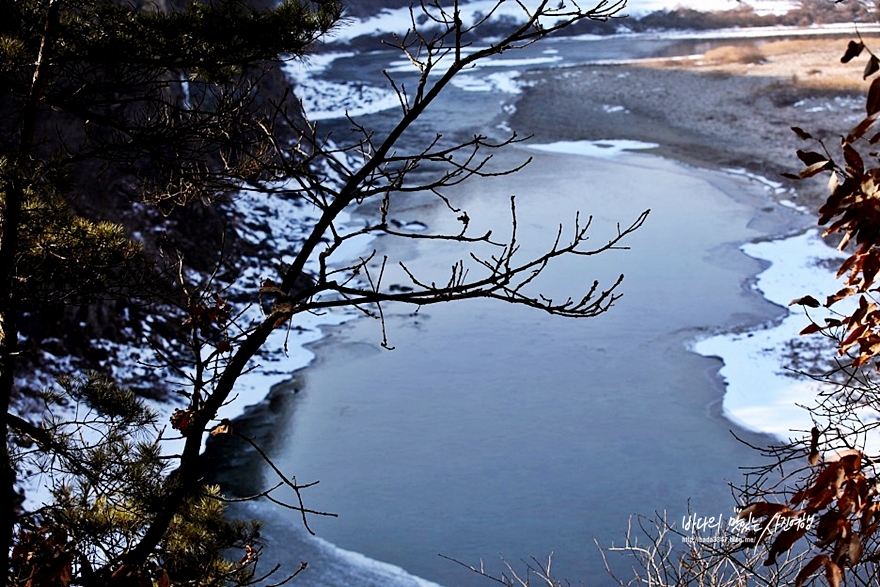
point(400, 19)
point(639, 7)
point(275, 225)
point(764, 391)
point(323, 98)
point(598, 149)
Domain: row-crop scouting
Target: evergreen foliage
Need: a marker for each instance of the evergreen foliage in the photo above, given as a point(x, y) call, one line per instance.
point(105, 100)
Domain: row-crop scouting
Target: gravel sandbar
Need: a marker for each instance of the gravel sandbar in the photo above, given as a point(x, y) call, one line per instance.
point(732, 107)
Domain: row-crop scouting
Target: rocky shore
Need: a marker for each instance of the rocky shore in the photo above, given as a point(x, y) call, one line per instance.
point(732, 107)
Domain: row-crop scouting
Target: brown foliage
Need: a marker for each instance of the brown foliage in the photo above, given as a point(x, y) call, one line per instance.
point(41, 559)
point(837, 505)
point(852, 211)
point(839, 497)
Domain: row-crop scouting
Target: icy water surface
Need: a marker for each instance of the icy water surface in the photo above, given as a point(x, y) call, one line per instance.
point(493, 429)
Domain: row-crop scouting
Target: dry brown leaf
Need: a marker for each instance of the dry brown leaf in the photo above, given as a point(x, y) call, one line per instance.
point(224, 427)
point(854, 162)
point(762, 509)
point(784, 541)
point(269, 286)
point(871, 67)
point(813, 458)
point(853, 50)
point(850, 261)
point(841, 294)
point(801, 133)
point(181, 420)
point(810, 328)
point(854, 549)
point(859, 130)
point(810, 568)
point(811, 157)
point(808, 301)
point(872, 104)
point(164, 580)
point(833, 574)
point(818, 167)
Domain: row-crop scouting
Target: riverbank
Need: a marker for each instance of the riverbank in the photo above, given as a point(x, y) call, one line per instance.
point(730, 108)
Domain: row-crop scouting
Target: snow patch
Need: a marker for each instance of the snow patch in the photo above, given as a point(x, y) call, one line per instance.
point(597, 149)
point(763, 389)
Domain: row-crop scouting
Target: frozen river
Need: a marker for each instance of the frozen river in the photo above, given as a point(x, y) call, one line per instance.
point(498, 430)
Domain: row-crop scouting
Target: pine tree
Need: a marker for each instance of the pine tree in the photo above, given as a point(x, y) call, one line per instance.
point(161, 98)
